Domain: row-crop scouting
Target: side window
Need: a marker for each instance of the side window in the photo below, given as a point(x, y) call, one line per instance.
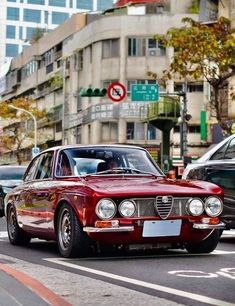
point(219, 154)
point(63, 166)
point(44, 170)
point(230, 152)
point(223, 178)
point(30, 174)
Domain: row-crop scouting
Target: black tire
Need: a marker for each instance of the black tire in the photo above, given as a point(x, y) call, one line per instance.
point(15, 234)
point(206, 246)
point(71, 239)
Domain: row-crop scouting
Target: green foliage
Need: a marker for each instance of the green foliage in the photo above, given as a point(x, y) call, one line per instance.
point(15, 134)
point(194, 8)
point(55, 81)
point(202, 51)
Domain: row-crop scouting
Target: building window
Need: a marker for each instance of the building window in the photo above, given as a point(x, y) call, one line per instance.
point(20, 32)
point(32, 15)
point(61, 3)
point(151, 132)
point(58, 127)
point(29, 33)
point(145, 47)
point(195, 129)
point(110, 48)
point(40, 2)
point(135, 130)
point(106, 83)
point(103, 5)
point(11, 0)
point(109, 131)
point(11, 50)
point(13, 13)
point(85, 4)
point(78, 60)
point(11, 31)
point(46, 17)
point(58, 18)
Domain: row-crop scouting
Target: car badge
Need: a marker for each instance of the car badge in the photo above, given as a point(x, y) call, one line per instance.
point(164, 199)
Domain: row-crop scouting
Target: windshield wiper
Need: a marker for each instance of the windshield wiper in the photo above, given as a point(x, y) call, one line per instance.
point(126, 170)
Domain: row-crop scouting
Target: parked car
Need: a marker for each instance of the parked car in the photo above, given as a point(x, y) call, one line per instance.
point(218, 166)
point(10, 177)
point(93, 205)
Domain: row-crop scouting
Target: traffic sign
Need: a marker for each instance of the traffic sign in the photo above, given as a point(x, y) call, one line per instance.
point(35, 151)
point(116, 92)
point(145, 92)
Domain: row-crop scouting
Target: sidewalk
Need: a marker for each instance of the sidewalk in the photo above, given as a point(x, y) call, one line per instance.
point(17, 288)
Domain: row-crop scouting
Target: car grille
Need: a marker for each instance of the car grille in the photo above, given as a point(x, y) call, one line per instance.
point(161, 206)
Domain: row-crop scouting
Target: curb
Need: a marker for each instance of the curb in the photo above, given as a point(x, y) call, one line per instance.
point(38, 288)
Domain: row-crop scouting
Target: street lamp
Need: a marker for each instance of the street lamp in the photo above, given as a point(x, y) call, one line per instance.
point(35, 151)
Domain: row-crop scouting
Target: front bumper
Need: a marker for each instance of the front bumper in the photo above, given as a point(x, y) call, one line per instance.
point(199, 226)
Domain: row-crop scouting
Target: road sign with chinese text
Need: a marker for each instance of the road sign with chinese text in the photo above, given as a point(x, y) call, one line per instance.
point(145, 92)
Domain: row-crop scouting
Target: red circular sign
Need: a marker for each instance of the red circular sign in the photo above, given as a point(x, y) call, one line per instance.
point(116, 92)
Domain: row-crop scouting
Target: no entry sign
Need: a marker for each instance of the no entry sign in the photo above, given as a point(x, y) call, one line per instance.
point(116, 92)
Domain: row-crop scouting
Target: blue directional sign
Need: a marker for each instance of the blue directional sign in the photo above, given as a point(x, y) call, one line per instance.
point(145, 92)
point(35, 151)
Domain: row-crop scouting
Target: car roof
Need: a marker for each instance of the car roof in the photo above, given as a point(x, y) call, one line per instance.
point(92, 146)
point(211, 151)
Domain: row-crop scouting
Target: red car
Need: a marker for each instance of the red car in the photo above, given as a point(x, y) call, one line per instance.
point(87, 197)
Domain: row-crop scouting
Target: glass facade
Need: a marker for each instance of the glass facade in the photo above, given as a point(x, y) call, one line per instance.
point(11, 31)
point(41, 2)
point(11, 50)
point(85, 4)
point(104, 4)
point(32, 15)
point(13, 13)
point(58, 18)
point(60, 3)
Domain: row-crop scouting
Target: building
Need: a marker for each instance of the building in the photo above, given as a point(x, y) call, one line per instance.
point(96, 50)
point(19, 19)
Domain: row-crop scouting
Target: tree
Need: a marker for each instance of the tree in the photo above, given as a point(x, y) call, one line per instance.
point(14, 134)
point(203, 51)
point(37, 34)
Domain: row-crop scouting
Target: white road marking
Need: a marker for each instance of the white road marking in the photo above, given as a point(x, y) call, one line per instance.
point(193, 273)
point(228, 233)
point(192, 296)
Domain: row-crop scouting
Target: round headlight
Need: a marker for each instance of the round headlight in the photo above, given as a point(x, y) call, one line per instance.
point(127, 208)
point(195, 207)
point(106, 209)
point(213, 206)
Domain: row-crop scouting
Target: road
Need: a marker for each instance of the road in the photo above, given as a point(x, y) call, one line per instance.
point(169, 278)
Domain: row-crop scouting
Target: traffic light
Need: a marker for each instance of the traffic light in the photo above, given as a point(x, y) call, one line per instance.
point(93, 92)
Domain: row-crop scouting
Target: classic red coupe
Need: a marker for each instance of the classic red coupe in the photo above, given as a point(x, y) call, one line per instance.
point(87, 197)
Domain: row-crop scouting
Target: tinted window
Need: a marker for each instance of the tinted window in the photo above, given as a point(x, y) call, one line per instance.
point(85, 4)
point(102, 5)
point(42, 2)
point(11, 31)
point(13, 13)
point(58, 18)
point(219, 154)
point(230, 152)
point(11, 50)
point(60, 3)
point(32, 15)
point(223, 177)
point(11, 173)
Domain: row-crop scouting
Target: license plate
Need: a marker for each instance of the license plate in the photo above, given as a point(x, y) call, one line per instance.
point(162, 228)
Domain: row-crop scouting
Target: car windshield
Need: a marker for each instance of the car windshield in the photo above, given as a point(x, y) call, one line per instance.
point(107, 160)
point(13, 173)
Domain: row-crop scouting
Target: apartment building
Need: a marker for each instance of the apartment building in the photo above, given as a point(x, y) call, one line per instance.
point(95, 50)
point(19, 19)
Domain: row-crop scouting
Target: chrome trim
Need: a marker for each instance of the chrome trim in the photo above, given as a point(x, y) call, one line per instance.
point(90, 229)
point(203, 226)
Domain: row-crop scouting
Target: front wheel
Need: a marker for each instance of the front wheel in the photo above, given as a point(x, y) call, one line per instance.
point(71, 239)
point(205, 246)
point(15, 234)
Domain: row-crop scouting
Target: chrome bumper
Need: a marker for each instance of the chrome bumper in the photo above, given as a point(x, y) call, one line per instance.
point(203, 226)
point(108, 229)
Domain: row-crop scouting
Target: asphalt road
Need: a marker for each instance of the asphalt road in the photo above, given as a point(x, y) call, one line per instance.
point(169, 278)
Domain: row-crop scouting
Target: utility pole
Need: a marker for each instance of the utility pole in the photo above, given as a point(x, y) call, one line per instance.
point(184, 125)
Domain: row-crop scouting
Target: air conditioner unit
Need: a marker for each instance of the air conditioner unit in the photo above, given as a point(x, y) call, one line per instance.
point(154, 52)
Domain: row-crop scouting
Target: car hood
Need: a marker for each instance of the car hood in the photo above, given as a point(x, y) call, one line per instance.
point(148, 186)
point(10, 183)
